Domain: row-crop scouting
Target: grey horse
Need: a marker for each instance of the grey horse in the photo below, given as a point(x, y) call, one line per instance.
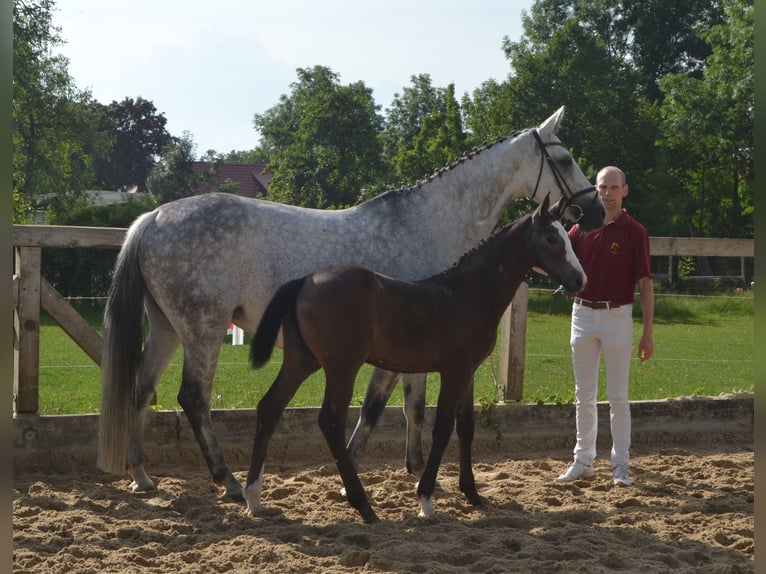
point(197, 264)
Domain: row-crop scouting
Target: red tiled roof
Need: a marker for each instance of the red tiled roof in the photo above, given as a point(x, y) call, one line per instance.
point(252, 178)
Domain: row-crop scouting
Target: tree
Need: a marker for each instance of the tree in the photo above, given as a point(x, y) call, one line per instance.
point(668, 38)
point(139, 136)
point(83, 272)
point(441, 139)
point(708, 127)
point(56, 136)
point(322, 141)
point(488, 112)
point(173, 177)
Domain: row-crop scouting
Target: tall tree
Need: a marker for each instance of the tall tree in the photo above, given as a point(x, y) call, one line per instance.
point(439, 141)
point(55, 135)
point(708, 125)
point(668, 37)
point(173, 177)
point(139, 136)
point(322, 141)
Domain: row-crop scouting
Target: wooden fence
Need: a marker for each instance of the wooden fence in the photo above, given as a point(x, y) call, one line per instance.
point(32, 292)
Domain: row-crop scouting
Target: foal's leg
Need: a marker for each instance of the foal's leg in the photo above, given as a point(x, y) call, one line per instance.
point(339, 386)
point(379, 390)
point(414, 391)
point(200, 359)
point(297, 365)
point(453, 386)
point(161, 344)
point(381, 385)
point(466, 422)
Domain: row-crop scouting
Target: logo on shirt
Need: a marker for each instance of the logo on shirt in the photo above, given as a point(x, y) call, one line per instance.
point(614, 248)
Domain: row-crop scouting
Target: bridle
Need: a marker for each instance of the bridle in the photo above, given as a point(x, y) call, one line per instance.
point(566, 191)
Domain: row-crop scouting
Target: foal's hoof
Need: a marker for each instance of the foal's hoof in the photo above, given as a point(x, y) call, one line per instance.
point(426, 507)
point(235, 496)
point(234, 491)
point(369, 516)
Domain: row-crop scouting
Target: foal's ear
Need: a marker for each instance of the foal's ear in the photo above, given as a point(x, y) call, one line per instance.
point(542, 209)
point(558, 208)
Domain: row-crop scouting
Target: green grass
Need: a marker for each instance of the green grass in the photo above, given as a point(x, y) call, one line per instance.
point(703, 346)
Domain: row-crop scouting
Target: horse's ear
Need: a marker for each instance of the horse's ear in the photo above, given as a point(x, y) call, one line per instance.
point(551, 125)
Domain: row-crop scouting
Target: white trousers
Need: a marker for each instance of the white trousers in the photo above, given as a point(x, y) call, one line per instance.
point(595, 332)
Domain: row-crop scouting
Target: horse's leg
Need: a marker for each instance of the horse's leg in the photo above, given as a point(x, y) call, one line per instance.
point(161, 343)
point(200, 360)
point(379, 390)
point(414, 391)
point(453, 386)
point(339, 386)
point(466, 422)
point(297, 365)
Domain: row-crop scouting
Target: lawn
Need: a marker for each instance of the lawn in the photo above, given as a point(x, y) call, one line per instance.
point(704, 345)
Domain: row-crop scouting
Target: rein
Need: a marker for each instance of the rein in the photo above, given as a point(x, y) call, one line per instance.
point(560, 181)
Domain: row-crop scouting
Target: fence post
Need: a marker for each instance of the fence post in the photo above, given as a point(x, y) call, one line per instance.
point(26, 352)
point(513, 345)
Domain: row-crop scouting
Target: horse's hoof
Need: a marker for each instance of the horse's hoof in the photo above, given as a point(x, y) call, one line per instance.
point(135, 487)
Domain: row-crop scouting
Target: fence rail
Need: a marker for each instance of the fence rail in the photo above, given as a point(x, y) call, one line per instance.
point(32, 292)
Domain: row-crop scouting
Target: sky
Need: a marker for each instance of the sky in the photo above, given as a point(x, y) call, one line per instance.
point(210, 66)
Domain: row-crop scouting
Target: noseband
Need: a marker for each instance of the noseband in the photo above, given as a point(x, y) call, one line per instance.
point(566, 191)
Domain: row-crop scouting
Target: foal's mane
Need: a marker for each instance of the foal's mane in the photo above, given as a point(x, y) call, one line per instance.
point(467, 156)
point(487, 241)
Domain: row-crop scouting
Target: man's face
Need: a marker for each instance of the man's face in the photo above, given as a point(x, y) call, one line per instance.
point(612, 190)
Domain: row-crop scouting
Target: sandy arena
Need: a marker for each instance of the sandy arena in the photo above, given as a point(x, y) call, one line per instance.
point(691, 509)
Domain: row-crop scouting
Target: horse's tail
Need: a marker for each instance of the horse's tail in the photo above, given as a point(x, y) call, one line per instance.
point(121, 353)
point(280, 306)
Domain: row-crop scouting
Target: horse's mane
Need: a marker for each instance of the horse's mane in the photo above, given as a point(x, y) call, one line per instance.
point(469, 155)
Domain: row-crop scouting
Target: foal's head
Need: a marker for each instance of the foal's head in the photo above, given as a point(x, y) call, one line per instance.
point(551, 249)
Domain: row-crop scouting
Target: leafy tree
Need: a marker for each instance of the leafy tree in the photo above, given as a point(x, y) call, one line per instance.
point(404, 118)
point(488, 113)
point(255, 155)
point(56, 136)
point(139, 136)
point(667, 37)
point(79, 272)
point(322, 141)
point(708, 130)
point(441, 139)
point(173, 177)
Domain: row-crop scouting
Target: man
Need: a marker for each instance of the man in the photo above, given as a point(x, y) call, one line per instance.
point(616, 260)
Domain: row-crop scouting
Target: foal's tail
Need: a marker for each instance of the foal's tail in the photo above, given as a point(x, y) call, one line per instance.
point(121, 353)
point(280, 306)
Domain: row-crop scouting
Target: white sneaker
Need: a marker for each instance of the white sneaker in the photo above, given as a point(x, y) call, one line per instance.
point(576, 471)
point(621, 475)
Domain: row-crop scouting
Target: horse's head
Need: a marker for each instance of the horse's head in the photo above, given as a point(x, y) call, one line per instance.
point(563, 177)
point(551, 249)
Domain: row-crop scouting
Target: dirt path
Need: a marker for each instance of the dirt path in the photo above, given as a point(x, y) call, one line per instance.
point(690, 510)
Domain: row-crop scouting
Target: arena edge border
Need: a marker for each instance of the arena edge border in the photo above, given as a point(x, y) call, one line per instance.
point(66, 441)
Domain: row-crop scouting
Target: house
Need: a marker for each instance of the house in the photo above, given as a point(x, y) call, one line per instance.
point(252, 178)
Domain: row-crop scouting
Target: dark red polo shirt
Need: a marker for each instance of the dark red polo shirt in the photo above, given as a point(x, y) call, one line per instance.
point(614, 258)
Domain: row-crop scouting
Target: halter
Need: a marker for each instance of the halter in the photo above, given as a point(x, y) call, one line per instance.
point(566, 191)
